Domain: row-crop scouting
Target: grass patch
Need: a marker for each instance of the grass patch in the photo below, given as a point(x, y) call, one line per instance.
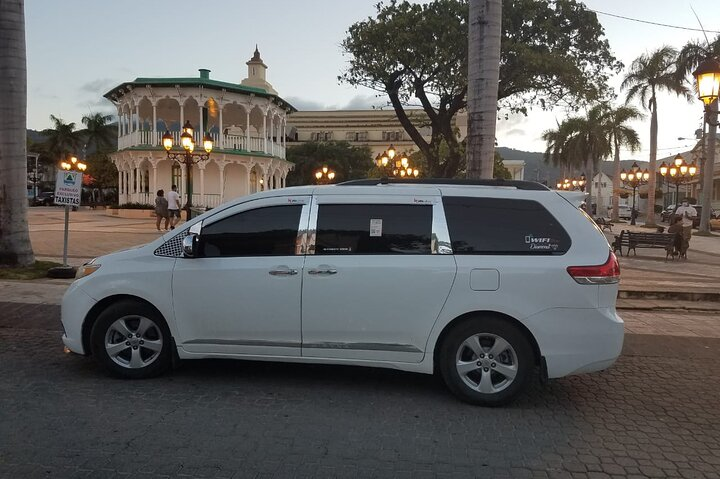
point(36, 271)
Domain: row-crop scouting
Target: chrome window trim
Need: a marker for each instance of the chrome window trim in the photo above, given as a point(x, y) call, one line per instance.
point(440, 243)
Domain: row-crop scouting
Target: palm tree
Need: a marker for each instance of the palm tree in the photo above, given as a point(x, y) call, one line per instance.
point(484, 32)
point(649, 74)
point(97, 132)
point(620, 135)
point(61, 140)
point(690, 57)
point(15, 247)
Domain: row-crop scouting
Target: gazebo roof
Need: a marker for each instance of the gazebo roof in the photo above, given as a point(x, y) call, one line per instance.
point(194, 82)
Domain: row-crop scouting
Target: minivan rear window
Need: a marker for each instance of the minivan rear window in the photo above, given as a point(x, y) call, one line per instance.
point(503, 226)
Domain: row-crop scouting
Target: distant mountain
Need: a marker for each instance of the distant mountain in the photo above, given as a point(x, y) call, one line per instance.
point(537, 170)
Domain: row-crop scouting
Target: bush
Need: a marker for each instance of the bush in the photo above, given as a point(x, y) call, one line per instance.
point(658, 209)
point(135, 206)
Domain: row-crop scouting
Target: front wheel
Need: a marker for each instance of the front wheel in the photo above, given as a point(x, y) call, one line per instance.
point(131, 340)
point(486, 361)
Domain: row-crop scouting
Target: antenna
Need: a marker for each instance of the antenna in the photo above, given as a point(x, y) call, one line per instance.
point(701, 26)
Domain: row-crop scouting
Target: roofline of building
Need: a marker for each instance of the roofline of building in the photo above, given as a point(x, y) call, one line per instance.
point(197, 82)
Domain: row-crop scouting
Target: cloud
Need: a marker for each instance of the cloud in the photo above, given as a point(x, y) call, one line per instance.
point(99, 86)
point(515, 132)
point(305, 105)
point(363, 102)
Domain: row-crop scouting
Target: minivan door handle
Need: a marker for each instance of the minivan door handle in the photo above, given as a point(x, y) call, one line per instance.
point(327, 271)
point(283, 271)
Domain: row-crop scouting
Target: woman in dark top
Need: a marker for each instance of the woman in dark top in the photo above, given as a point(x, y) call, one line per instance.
point(161, 210)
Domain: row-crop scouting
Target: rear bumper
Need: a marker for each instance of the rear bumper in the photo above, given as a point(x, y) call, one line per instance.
point(575, 341)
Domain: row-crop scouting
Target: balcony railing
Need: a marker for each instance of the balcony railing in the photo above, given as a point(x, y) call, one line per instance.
point(226, 142)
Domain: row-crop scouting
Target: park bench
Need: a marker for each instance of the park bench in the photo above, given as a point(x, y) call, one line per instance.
point(604, 224)
point(632, 240)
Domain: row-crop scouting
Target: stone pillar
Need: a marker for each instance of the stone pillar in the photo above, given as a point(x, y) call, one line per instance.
point(221, 136)
point(201, 130)
point(137, 117)
point(202, 184)
point(265, 142)
point(182, 115)
point(247, 130)
point(154, 178)
point(154, 141)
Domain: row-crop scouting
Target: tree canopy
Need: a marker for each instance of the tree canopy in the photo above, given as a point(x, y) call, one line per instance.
point(552, 52)
point(349, 162)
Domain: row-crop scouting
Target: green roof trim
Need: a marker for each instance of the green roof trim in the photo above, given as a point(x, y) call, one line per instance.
point(197, 81)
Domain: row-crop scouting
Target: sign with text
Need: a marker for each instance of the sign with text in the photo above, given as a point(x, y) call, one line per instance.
point(68, 186)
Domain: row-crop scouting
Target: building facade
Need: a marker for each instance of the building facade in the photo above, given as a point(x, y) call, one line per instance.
point(376, 129)
point(247, 122)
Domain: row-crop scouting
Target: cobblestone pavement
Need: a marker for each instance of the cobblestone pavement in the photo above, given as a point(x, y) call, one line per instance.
point(654, 414)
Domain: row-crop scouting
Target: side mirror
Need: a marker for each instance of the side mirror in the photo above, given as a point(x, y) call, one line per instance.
point(189, 245)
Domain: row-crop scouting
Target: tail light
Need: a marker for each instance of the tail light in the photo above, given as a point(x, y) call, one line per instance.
point(607, 273)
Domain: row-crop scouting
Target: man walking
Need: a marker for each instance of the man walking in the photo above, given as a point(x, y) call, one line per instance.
point(173, 200)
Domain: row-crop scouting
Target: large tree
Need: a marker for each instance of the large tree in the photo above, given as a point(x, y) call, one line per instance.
point(347, 161)
point(690, 57)
point(62, 140)
point(552, 54)
point(98, 134)
point(485, 30)
point(15, 247)
point(620, 135)
point(650, 74)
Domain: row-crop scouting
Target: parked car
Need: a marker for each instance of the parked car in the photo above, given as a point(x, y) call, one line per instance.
point(667, 213)
point(670, 211)
point(45, 198)
point(624, 212)
point(481, 282)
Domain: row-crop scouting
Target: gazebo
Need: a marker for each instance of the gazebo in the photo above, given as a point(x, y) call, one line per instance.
point(247, 122)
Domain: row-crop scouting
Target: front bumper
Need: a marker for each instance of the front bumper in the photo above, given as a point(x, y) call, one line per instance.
point(575, 341)
point(75, 306)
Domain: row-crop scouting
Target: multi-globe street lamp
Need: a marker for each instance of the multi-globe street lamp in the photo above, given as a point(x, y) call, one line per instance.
point(187, 157)
point(324, 175)
point(678, 172)
point(707, 77)
point(393, 164)
point(572, 183)
point(633, 179)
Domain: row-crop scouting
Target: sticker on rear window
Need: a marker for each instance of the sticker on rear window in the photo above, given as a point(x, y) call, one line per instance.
point(375, 227)
point(538, 243)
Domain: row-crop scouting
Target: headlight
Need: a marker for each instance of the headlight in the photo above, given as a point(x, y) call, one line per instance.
point(87, 269)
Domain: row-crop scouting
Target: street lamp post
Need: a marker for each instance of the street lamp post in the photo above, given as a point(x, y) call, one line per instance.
point(707, 76)
point(187, 158)
point(634, 178)
point(324, 175)
point(677, 173)
point(393, 164)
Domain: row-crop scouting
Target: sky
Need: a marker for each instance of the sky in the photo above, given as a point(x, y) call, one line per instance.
point(77, 50)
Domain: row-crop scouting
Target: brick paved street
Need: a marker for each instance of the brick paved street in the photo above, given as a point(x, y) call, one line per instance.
point(655, 414)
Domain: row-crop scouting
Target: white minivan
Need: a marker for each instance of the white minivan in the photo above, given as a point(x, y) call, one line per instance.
point(482, 282)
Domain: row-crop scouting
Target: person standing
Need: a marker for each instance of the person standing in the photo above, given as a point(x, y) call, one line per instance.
point(687, 213)
point(173, 199)
point(161, 210)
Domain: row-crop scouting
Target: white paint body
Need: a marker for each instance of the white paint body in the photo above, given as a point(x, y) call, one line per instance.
point(385, 310)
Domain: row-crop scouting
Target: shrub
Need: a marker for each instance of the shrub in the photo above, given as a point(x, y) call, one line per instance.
point(135, 206)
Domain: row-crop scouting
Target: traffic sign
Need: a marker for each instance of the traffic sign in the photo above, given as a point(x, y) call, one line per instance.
point(68, 185)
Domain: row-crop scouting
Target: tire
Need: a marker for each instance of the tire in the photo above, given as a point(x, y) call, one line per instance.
point(497, 361)
point(131, 340)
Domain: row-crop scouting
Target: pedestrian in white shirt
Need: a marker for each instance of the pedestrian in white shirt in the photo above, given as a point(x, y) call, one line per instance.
point(173, 199)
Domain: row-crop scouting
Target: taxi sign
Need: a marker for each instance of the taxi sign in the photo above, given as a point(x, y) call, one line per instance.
point(68, 185)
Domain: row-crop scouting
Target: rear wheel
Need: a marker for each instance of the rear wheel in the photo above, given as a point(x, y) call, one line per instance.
point(131, 340)
point(486, 361)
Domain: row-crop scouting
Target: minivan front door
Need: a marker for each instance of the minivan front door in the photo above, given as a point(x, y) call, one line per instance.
point(241, 293)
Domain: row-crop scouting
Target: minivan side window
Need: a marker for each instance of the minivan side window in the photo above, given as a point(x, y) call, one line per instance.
point(373, 229)
point(269, 231)
point(503, 226)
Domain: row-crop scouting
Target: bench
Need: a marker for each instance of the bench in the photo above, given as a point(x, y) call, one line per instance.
point(604, 224)
point(632, 240)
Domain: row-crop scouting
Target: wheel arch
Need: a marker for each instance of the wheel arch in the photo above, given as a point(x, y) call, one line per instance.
point(484, 314)
point(101, 306)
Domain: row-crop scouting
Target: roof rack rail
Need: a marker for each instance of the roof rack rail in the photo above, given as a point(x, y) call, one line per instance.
point(517, 184)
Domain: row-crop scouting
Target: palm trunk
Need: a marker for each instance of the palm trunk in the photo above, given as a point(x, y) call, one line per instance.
point(616, 185)
point(589, 183)
point(650, 213)
point(483, 76)
point(15, 248)
point(708, 169)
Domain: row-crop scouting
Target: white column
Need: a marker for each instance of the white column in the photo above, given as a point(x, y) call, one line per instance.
point(137, 117)
point(154, 178)
point(182, 115)
point(284, 133)
point(247, 130)
point(222, 182)
point(154, 140)
point(181, 187)
point(201, 131)
point(221, 137)
point(202, 185)
point(265, 142)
